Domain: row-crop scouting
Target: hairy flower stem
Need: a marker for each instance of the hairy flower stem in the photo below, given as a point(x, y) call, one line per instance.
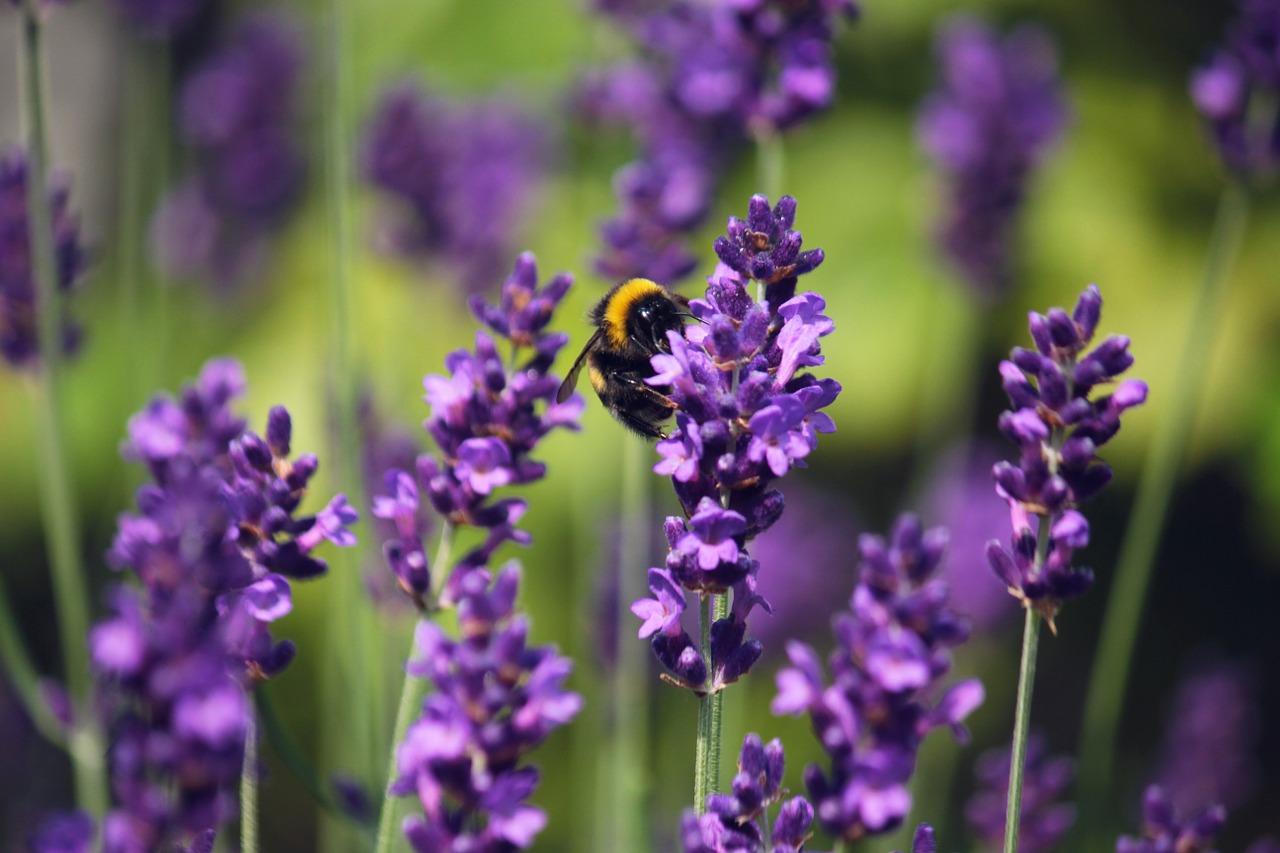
point(703, 748)
point(57, 504)
point(630, 784)
point(411, 692)
point(1114, 655)
point(249, 790)
point(1022, 711)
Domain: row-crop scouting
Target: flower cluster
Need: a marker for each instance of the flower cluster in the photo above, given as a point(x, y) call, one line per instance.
point(1162, 831)
point(487, 416)
point(1058, 429)
point(892, 655)
point(736, 822)
point(216, 537)
point(714, 75)
point(160, 19)
point(1238, 89)
point(746, 417)
point(1044, 820)
point(18, 343)
point(236, 112)
point(1211, 740)
point(494, 699)
point(463, 175)
point(996, 113)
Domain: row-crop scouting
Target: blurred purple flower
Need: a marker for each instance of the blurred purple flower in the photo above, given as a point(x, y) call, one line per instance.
point(923, 840)
point(1044, 820)
point(1162, 831)
point(892, 655)
point(1237, 91)
point(217, 533)
point(742, 423)
point(463, 174)
point(1211, 739)
point(235, 112)
point(18, 343)
point(159, 19)
point(1058, 430)
point(998, 109)
point(63, 833)
point(713, 76)
point(494, 699)
point(735, 822)
point(487, 417)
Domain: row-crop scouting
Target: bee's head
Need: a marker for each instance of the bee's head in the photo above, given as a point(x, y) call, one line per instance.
point(651, 319)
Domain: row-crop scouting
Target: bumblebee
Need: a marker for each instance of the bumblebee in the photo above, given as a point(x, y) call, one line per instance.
point(632, 321)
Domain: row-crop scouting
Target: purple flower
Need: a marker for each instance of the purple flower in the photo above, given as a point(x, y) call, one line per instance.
point(745, 419)
point(159, 19)
point(217, 534)
point(488, 415)
point(463, 175)
point(1163, 831)
point(734, 822)
point(18, 343)
point(923, 840)
point(494, 699)
point(1211, 739)
point(714, 76)
point(236, 112)
point(1237, 88)
point(891, 657)
point(63, 833)
point(997, 111)
point(1044, 820)
point(1058, 430)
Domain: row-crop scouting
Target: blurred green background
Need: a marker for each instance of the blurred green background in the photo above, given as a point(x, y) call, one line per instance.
point(1126, 201)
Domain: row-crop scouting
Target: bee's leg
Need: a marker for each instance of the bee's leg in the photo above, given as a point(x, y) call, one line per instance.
point(650, 393)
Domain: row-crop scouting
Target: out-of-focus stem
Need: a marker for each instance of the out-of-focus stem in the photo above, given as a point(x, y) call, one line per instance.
point(57, 501)
point(410, 700)
point(21, 673)
point(283, 745)
point(771, 163)
point(1114, 656)
point(630, 735)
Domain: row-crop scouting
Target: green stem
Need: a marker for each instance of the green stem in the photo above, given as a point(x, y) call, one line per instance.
point(249, 790)
point(1114, 656)
point(410, 701)
point(22, 674)
point(771, 163)
point(702, 747)
point(630, 733)
point(411, 691)
point(1022, 724)
point(57, 503)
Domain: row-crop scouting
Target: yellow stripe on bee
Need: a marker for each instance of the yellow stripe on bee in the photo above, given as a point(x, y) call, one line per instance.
point(620, 305)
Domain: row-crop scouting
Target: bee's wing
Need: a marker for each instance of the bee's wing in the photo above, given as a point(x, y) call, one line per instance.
point(571, 380)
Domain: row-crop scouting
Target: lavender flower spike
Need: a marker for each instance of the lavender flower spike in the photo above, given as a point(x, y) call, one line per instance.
point(1238, 91)
point(1058, 429)
point(1162, 831)
point(18, 344)
point(998, 109)
point(495, 698)
point(891, 657)
point(748, 413)
point(734, 822)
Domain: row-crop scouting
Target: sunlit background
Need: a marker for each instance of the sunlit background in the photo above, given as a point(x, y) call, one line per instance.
point(1125, 199)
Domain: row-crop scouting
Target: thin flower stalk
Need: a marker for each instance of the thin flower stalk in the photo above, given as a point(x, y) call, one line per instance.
point(57, 493)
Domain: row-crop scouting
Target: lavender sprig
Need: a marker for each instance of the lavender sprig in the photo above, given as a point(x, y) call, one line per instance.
point(892, 655)
point(998, 110)
point(18, 335)
point(737, 822)
point(216, 538)
point(1161, 829)
point(1058, 430)
point(1236, 92)
point(713, 76)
